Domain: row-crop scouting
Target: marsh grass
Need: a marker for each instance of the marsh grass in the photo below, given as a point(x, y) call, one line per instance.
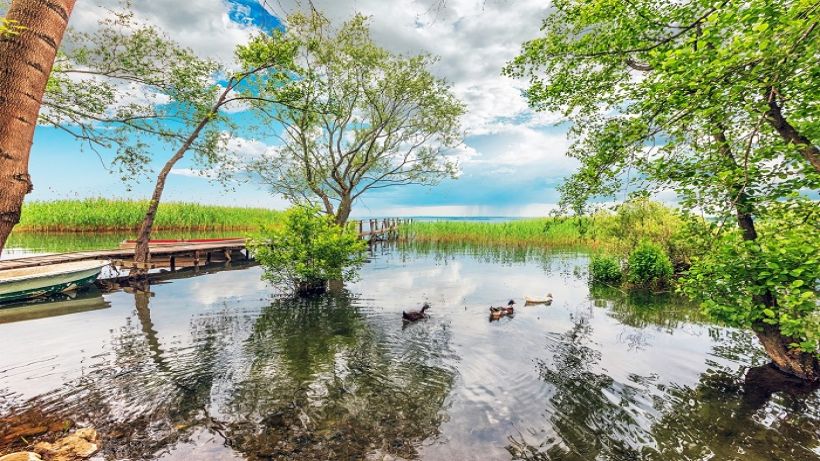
point(565, 232)
point(105, 215)
point(617, 232)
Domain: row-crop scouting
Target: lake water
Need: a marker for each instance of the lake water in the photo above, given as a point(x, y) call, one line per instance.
point(218, 367)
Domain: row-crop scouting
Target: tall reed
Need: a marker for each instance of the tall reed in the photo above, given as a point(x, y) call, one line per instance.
point(105, 215)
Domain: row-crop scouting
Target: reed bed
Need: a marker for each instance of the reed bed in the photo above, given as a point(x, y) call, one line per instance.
point(106, 215)
point(537, 232)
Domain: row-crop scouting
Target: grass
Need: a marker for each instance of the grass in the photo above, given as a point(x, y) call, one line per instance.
point(105, 215)
point(537, 232)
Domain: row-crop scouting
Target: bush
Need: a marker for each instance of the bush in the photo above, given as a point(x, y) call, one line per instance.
point(307, 251)
point(605, 269)
point(649, 266)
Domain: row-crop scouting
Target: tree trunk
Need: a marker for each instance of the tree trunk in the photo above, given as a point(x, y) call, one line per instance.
point(25, 64)
point(802, 364)
point(343, 212)
point(792, 361)
point(790, 134)
point(142, 251)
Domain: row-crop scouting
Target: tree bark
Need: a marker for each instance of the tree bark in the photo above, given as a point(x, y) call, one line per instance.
point(802, 364)
point(343, 212)
point(142, 251)
point(26, 60)
point(790, 134)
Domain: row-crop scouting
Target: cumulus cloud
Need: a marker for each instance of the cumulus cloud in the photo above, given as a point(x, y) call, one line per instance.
point(205, 26)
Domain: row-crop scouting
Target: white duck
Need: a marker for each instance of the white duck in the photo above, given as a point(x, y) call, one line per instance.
point(545, 300)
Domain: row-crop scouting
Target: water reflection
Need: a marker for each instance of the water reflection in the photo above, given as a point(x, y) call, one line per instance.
point(214, 367)
point(324, 383)
point(732, 413)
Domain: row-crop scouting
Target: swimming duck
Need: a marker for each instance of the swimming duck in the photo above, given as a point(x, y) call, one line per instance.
point(498, 312)
point(545, 300)
point(414, 316)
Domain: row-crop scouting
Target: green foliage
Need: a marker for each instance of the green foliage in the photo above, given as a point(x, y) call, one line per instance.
point(648, 266)
point(733, 279)
point(100, 214)
point(604, 269)
point(689, 96)
point(307, 250)
point(540, 232)
point(126, 86)
point(358, 116)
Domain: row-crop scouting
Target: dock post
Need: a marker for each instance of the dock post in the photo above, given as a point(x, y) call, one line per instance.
point(196, 259)
point(173, 263)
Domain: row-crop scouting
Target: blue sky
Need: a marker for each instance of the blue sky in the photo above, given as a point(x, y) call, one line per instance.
point(512, 159)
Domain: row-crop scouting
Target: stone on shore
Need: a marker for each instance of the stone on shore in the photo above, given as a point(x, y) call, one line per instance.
point(77, 446)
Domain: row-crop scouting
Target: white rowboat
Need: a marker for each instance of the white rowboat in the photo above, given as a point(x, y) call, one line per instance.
point(32, 282)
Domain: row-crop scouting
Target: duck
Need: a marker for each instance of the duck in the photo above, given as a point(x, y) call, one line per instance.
point(498, 312)
point(414, 316)
point(545, 300)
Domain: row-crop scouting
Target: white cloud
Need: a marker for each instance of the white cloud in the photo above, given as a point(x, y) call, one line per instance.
point(202, 25)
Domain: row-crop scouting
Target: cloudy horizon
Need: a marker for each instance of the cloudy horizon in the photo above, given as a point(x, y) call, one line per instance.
point(512, 159)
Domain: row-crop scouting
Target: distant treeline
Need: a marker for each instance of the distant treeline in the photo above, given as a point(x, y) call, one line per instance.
point(106, 215)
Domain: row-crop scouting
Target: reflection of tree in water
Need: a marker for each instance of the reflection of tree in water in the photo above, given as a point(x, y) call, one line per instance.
point(590, 413)
point(306, 379)
point(144, 396)
point(752, 414)
point(747, 414)
point(325, 384)
point(640, 310)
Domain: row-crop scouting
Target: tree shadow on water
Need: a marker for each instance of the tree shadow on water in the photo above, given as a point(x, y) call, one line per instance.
point(731, 414)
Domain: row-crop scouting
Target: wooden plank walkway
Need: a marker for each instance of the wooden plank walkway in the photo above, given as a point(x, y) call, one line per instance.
point(377, 230)
point(123, 253)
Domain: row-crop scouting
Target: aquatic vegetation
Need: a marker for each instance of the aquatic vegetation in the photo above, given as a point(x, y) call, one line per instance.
point(604, 269)
point(100, 214)
point(649, 266)
point(308, 250)
point(560, 231)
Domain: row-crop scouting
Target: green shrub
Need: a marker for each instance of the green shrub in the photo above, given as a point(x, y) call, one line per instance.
point(649, 266)
point(605, 269)
point(307, 251)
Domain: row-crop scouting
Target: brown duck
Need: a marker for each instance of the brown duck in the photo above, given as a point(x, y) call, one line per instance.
point(498, 312)
point(414, 316)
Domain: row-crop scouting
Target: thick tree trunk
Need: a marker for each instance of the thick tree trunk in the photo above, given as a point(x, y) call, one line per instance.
point(790, 134)
point(25, 64)
point(343, 212)
point(792, 361)
point(802, 364)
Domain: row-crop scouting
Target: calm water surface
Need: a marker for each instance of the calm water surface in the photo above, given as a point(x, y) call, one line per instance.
point(217, 367)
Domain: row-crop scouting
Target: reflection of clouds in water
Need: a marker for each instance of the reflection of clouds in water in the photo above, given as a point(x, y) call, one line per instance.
point(207, 291)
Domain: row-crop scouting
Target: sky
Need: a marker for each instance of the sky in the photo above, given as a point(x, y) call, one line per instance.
point(512, 158)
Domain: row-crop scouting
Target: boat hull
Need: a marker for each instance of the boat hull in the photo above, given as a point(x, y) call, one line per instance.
point(42, 286)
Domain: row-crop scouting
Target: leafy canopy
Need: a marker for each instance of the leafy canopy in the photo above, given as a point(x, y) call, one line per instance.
point(784, 261)
point(358, 117)
point(689, 96)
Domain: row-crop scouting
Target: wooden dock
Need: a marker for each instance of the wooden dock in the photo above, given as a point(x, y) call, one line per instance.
point(189, 253)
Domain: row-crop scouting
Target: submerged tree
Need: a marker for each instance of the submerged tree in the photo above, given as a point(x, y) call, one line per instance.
point(716, 101)
point(30, 34)
point(360, 117)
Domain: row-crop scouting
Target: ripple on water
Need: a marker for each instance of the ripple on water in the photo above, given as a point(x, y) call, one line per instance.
point(215, 367)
